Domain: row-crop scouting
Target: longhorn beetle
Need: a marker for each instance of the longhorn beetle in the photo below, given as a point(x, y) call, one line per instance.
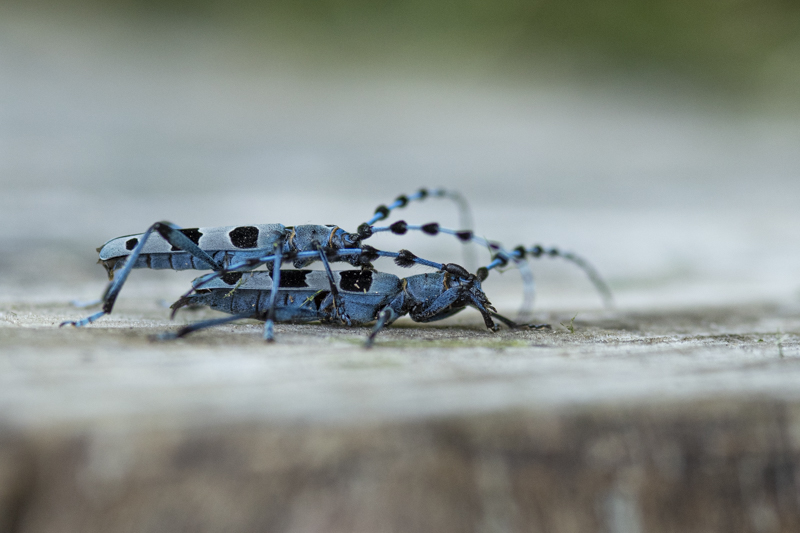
point(365, 296)
point(166, 246)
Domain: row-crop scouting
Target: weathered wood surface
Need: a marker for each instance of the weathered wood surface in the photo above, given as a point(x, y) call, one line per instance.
point(715, 466)
point(634, 422)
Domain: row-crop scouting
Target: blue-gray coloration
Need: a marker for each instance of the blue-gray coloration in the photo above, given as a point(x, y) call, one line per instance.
point(366, 296)
point(226, 245)
point(236, 248)
point(167, 246)
point(233, 244)
point(306, 297)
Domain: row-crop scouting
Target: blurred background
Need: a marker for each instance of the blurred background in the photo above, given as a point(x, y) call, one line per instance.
point(658, 139)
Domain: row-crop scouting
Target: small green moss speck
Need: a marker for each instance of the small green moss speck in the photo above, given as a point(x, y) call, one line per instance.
point(571, 326)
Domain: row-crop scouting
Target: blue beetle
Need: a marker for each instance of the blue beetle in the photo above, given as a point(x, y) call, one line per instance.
point(366, 296)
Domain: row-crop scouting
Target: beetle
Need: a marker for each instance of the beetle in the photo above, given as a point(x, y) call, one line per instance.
point(167, 246)
point(222, 249)
point(367, 296)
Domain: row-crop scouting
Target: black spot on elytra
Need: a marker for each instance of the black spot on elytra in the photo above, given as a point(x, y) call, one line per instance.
point(131, 244)
point(231, 278)
point(244, 236)
point(355, 280)
point(320, 297)
point(292, 279)
point(193, 234)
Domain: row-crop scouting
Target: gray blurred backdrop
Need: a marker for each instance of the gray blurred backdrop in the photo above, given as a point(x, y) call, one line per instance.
point(659, 139)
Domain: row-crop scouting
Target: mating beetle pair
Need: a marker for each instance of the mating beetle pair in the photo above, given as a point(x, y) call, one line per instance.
point(351, 297)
